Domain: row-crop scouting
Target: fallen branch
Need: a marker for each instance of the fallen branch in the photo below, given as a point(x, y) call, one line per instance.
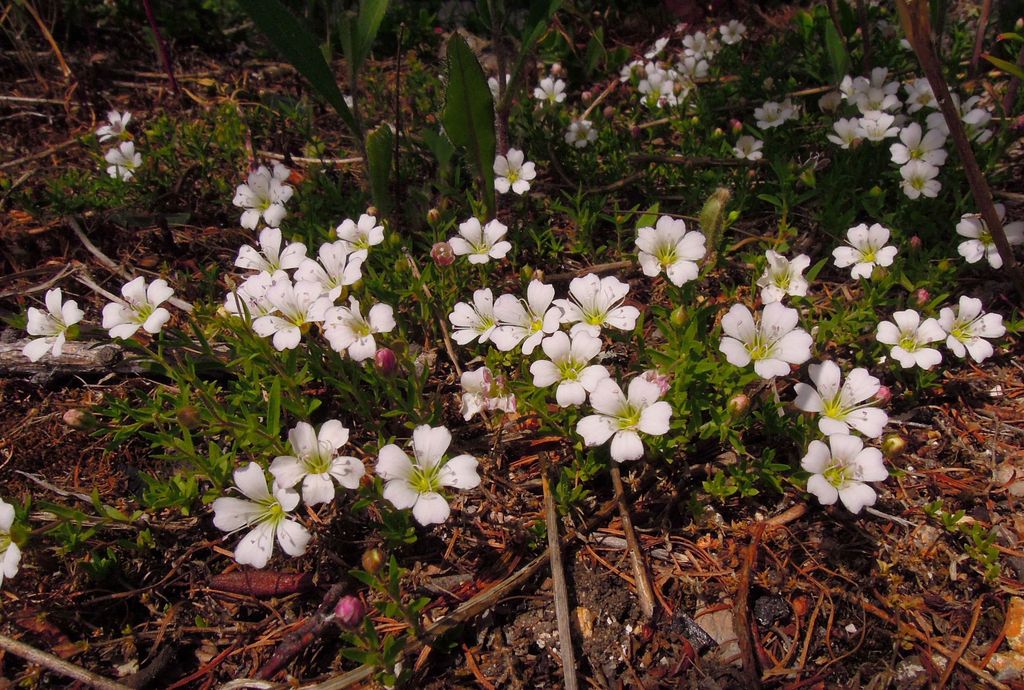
point(58, 665)
point(644, 591)
point(561, 591)
point(78, 357)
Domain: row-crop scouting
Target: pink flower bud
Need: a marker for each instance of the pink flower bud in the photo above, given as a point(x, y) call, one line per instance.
point(921, 297)
point(586, 96)
point(556, 69)
point(442, 254)
point(884, 395)
point(915, 242)
point(608, 112)
point(349, 612)
point(635, 132)
point(736, 126)
point(385, 361)
point(738, 405)
point(661, 380)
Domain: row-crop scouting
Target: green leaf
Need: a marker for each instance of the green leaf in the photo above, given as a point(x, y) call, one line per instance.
point(380, 147)
point(371, 14)
point(1005, 65)
point(815, 269)
point(596, 54)
point(649, 218)
point(440, 146)
point(537, 22)
point(468, 115)
point(274, 408)
point(837, 55)
point(296, 44)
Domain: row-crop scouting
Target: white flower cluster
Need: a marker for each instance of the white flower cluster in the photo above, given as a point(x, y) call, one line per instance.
point(122, 158)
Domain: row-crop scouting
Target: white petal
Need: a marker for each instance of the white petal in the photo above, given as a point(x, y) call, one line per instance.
point(257, 546)
point(317, 488)
point(430, 443)
point(293, 537)
point(393, 463)
point(626, 445)
point(460, 473)
point(595, 429)
point(431, 509)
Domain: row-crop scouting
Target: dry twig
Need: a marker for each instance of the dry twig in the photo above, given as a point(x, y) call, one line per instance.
point(58, 665)
point(561, 591)
point(644, 591)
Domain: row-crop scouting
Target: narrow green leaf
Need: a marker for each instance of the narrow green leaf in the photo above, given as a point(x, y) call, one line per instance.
point(296, 44)
point(274, 408)
point(837, 55)
point(371, 14)
point(1008, 67)
point(468, 115)
point(380, 147)
point(537, 22)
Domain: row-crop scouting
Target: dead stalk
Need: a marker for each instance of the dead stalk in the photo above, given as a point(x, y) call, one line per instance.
point(561, 590)
point(58, 665)
point(644, 591)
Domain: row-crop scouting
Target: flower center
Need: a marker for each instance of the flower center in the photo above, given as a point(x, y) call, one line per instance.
point(833, 408)
point(273, 512)
point(963, 332)
point(629, 417)
point(666, 256)
point(909, 343)
point(512, 176)
point(838, 474)
point(783, 279)
point(758, 348)
point(424, 480)
point(867, 255)
point(361, 328)
point(319, 461)
point(570, 369)
point(985, 237)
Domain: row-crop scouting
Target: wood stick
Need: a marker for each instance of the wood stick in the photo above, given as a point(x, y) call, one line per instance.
point(58, 665)
point(951, 664)
point(741, 613)
point(561, 590)
point(644, 591)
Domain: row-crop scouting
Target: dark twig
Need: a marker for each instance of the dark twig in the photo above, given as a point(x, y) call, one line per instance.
point(561, 590)
point(165, 54)
point(959, 652)
point(298, 640)
point(741, 613)
point(979, 36)
point(865, 35)
point(696, 160)
point(644, 591)
point(58, 665)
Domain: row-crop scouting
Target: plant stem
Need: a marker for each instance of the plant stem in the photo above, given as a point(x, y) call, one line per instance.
point(165, 55)
point(644, 591)
point(561, 590)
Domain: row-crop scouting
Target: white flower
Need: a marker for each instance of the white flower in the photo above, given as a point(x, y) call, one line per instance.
point(773, 114)
point(316, 462)
point(919, 95)
point(580, 133)
point(877, 126)
point(867, 249)
point(871, 91)
point(909, 337)
point(10, 554)
point(492, 84)
point(595, 302)
point(336, 269)
point(690, 68)
point(669, 247)
point(481, 243)
point(874, 98)
point(295, 305)
point(568, 366)
point(968, 327)
point(362, 235)
point(658, 89)
point(266, 513)
point(513, 171)
point(476, 321)
point(550, 90)
point(749, 148)
point(783, 277)
point(124, 160)
point(52, 325)
point(264, 195)
point(416, 483)
point(251, 296)
point(141, 307)
point(269, 257)
point(847, 132)
point(116, 126)
point(841, 407)
point(659, 45)
point(699, 45)
point(772, 342)
point(622, 418)
point(919, 179)
point(482, 392)
point(633, 69)
point(840, 469)
point(733, 32)
point(980, 243)
point(975, 120)
point(830, 102)
point(525, 322)
point(915, 147)
point(346, 329)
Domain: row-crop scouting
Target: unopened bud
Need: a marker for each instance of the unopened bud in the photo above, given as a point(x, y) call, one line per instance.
point(188, 417)
point(372, 211)
point(80, 419)
point(608, 112)
point(735, 126)
point(385, 361)
point(586, 96)
point(916, 243)
point(679, 316)
point(738, 405)
point(349, 612)
point(717, 133)
point(875, 191)
point(769, 84)
point(635, 132)
point(712, 215)
point(373, 559)
point(433, 216)
point(921, 297)
point(556, 69)
point(526, 273)
point(694, 120)
point(442, 254)
point(883, 395)
point(893, 446)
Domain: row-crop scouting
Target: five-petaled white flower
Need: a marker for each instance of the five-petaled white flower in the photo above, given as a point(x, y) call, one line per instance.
point(840, 469)
point(783, 277)
point(569, 367)
point(878, 126)
point(919, 179)
point(52, 325)
point(482, 391)
point(909, 338)
point(733, 32)
point(362, 235)
point(10, 554)
point(847, 132)
point(915, 147)
point(968, 326)
point(264, 194)
point(513, 171)
point(250, 297)
point(116, 126)
point(481, 243)
point(269, 257)
point(748, 148)
point(774, 114)
point(550, 90)
point(141, 308)
point(525, 322)
point(866, 250)
point(698, 44)
point(337, 268)
point(346, 329)
point(266, 513)
point(919, 95)
point(842, 407)
point(597, 302)
point(980, 243)
point(316, 462)
point(623, 417)
point(295, 306)
point(124, 160)
point(580, 133)
point(669, 247)
point(416, 483)
point(772, 342)
point(474, 321)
